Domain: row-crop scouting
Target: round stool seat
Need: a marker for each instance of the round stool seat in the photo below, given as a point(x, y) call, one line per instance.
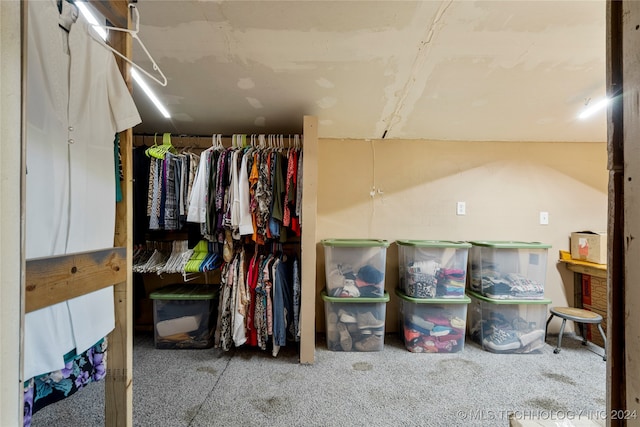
point(576, 314)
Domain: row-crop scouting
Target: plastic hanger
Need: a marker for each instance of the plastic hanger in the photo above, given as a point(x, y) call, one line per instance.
point(155, 145)
point(134, 35)
point(216, 142)
point(159, 151)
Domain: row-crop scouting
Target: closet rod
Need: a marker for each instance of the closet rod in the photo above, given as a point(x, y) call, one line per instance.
point(159, 135)
point(180, 141)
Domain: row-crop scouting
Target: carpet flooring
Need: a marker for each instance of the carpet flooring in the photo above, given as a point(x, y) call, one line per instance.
point(392, 387)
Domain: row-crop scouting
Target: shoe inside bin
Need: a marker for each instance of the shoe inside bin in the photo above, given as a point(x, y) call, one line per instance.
point(355, 324)
point(507, 326)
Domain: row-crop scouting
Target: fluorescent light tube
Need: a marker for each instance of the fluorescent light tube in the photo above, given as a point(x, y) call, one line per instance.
point(591, 110)
point(152, 96)
point(136, 76)
point(91, 19)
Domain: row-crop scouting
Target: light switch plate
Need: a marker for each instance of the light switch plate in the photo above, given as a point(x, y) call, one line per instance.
point(544, 218)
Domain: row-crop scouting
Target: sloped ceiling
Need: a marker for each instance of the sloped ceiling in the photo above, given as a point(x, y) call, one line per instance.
point(444, 70)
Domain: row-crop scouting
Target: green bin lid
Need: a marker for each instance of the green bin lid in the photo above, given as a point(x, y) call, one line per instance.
point(183, 291)
point(434, 243)
point(327, 298)
point(355, 243)
point(510, 244)
point(508, 301)
point(460, 300)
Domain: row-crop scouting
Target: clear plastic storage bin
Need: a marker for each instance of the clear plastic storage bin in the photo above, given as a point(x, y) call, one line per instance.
point(355, 268)
point(355, 324)
point(433, 325)
point(432, 268)
point(184, 316)
point(508, 270)
point(507, 326)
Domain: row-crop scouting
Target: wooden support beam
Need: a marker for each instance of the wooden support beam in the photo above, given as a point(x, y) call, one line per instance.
point(118, 388)
point(55, 279)
point(621, 22)
point(119, 380)
point(309, 290)
point(118, 408)
point(623, 329)
point(116, 12)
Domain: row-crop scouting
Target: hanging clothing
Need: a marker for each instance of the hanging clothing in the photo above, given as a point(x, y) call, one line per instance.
point(141, 165)
point(245, 224)
point(170, 185)
point(76, 102)
point(198, 199)
point(155, 185)
point(297, 289)
point(241, 301)
point(249, 191)
point(252, 281)
point(299, 189)
point(259, 302)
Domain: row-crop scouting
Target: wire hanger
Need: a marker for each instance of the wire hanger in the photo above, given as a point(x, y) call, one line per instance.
point(134, 35)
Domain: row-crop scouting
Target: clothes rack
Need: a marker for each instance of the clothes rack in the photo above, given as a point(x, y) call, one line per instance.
point(307, 243)
point(54, 279)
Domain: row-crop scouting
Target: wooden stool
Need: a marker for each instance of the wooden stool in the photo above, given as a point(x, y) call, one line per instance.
point(577, 315)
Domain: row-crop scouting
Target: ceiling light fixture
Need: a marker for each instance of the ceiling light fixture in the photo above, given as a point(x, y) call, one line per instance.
point(594, 108)
point(91, 19)
point(136, 76)
point(152, 96)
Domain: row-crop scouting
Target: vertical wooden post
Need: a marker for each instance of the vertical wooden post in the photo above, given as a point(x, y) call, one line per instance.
point(623, 80)
point(119, 380)
point(308, 250)
point(616, 377)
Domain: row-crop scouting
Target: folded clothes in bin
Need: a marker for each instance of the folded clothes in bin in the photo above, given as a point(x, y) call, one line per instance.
point(367, 282)
point(433, 325)
point(355, 268)
point(179, 325)
point(432, 268)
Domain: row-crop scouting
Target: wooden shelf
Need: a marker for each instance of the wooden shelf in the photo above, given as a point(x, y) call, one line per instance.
point(583, 267)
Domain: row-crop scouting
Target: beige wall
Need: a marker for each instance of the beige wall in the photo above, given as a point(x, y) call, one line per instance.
point(416, 185)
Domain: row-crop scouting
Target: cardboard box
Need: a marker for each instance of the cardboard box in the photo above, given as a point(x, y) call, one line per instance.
point(589, 246)
point(594, 292)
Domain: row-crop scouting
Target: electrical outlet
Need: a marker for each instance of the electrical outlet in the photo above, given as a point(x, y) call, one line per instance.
point(461, 208)
point(544, 218)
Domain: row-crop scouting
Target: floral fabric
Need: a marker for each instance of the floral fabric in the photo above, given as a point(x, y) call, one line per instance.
point(79, 371)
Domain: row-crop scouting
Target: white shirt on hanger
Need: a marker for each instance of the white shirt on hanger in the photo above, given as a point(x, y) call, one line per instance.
point(245, 223)
point(76, 102)
point(197, 211)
